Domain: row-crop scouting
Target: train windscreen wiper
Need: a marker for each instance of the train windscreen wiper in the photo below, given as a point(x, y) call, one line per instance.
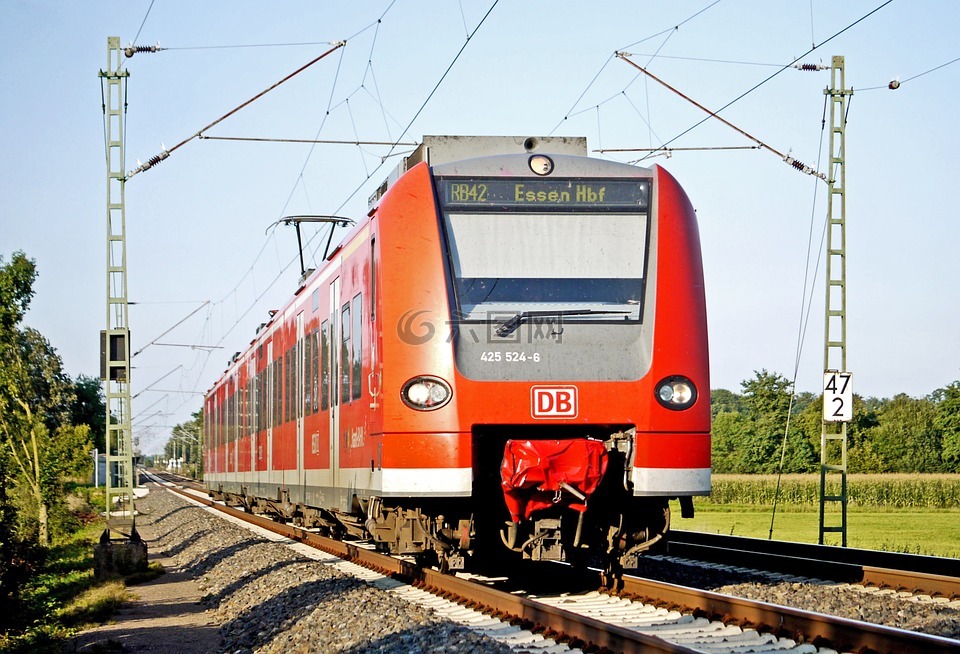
point(510, 325)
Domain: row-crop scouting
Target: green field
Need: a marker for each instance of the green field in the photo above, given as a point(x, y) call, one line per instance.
point(918, 514)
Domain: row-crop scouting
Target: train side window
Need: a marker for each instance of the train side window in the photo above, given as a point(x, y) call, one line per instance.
point(345, 325)
point(325, 365)
point(357, 387)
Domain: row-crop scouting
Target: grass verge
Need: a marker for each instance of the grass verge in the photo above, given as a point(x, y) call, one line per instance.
point(63, 597)
point(934, 532)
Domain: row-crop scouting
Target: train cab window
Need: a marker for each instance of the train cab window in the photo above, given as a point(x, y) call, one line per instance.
point(573, 246)
point(325, 365)
point(356, 365)
point(345, 325)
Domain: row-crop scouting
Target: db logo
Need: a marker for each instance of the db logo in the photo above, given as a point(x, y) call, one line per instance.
point(553, 402)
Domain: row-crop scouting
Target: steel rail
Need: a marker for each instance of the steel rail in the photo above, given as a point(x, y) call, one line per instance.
point(840, 634)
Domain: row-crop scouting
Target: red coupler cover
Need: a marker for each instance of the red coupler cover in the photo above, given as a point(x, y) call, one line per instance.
point(532, 472)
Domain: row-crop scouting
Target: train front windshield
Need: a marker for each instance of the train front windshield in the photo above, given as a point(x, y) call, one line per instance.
point(528, 245)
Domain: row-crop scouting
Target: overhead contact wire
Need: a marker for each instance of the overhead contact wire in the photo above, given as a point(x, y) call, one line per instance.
point(570, 113)
point(143, 22)
point(767, 79)
point(357, 190)
point(891, 85)
point(166, 153)
point(713, 114)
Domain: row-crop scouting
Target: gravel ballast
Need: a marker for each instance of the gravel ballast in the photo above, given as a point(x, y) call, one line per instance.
point(268, 598)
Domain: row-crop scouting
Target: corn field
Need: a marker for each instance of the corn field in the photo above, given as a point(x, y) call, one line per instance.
point(900, 491)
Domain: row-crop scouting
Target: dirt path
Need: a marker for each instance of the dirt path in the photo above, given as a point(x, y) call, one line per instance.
point(166, 615)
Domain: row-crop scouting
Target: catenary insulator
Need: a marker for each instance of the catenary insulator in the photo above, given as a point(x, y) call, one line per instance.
point(803, 168)
point(151, 162)
point(131, 50)
point(810, 67)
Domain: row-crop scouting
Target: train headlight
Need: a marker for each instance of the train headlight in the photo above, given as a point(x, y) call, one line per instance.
point(676, 393)
point(425, 393)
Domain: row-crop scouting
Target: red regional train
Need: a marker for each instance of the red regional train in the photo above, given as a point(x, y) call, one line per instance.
point(508, 353)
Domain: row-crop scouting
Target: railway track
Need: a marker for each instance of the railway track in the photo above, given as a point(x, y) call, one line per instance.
point(918, 575)
point(644, 615)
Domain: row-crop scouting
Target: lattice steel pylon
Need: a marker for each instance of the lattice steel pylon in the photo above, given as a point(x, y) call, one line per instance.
point(115, 340)
point(833, 439)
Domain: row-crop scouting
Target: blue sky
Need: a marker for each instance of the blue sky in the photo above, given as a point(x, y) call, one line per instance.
point(196, 223)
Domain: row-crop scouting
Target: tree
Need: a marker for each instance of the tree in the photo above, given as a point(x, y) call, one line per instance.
point(186, 444)
point(39, 445)
point(34, 403)
point(906, 438)
point(728, 429)
point(947, 421)
point(767, 402)
point(16, 290)
point(88, 407)
point(724, 401)
point(748, 430)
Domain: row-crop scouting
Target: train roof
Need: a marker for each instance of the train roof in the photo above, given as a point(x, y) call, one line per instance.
point(436, 150)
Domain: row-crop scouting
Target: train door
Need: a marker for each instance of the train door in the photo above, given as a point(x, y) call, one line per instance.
point(251, 413)
point(335, 376)
point(375, 376)
point(272, 409)
point(299, 384)
point(235, 425)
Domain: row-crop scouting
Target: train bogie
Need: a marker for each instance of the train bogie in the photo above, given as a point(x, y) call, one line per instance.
point(509, 352)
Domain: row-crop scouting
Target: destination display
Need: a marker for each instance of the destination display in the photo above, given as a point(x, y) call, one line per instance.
point(497, 193)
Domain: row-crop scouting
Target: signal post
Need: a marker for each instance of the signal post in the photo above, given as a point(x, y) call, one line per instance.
point(121, 550)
